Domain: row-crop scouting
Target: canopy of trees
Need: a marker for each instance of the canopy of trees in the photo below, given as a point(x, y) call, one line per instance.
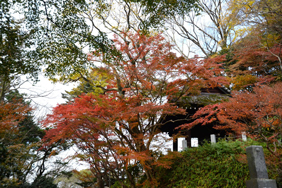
point(132, 69)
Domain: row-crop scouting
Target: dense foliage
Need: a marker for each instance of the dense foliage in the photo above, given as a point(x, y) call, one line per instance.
point(223, 164)
point(133, 64)
point(20, 138)
point(122, 124)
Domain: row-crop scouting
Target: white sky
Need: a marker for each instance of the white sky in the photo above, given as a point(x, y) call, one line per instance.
point(45, 95)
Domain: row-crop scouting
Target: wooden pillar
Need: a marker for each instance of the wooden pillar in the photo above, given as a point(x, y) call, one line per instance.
point(175, 144)
point(188, 138)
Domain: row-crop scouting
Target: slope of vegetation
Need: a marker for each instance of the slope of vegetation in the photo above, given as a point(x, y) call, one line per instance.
point(223, 164)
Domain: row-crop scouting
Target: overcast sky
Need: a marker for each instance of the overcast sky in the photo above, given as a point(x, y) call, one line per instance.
point(45, 95)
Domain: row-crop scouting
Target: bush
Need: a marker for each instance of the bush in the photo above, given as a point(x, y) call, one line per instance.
point(223, 164)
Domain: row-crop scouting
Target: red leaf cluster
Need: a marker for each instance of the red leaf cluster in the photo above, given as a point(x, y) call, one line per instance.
point(258, 113)
point(11, 114)
point(116, 130)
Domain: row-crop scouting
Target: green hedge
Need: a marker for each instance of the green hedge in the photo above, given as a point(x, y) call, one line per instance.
point(223, 164)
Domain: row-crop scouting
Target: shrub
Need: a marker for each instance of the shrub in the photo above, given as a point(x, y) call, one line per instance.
point(223, 164)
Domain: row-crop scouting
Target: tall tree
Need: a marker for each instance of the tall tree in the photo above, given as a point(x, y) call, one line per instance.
point(118, 129)
point(64, 30)
point(11, 169)
point(15, 48)
point(259, 51)
point(210, 28)
point(20, 138)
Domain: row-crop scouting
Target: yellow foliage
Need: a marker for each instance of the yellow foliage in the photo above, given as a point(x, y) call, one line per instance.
point(93, 83)
point(242, 81)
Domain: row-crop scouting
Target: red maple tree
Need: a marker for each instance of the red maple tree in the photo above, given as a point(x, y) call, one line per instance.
point(15, 156)
point(10, 115)
point(117, 130)
point(257, 112)
point(259, 53)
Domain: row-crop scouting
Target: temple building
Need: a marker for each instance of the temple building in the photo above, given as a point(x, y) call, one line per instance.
point(192, 104)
